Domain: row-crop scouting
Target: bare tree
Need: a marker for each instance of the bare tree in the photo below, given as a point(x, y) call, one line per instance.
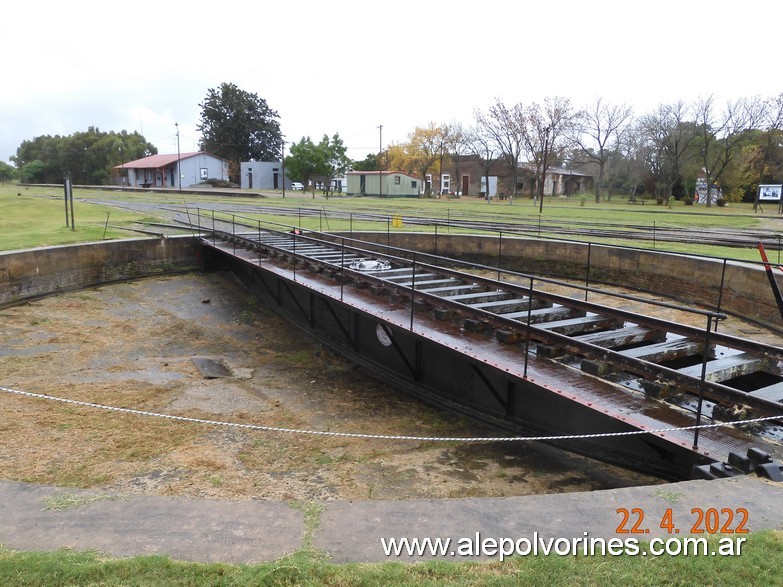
point(771, 122)
point(506, 127)
point(631, 151)
point(547, 129)
point(457, 144)
point(719, 135)
point(482, 145)
point(598, 133)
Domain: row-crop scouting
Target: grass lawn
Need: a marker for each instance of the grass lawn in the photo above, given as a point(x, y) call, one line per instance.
point(759, 564)
point(35, 216)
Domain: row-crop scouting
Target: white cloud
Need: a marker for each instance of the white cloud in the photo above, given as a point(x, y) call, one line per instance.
point(348, 66)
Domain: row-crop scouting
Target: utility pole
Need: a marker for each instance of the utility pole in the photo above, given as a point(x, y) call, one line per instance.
point(380, 157)
point(179, 171)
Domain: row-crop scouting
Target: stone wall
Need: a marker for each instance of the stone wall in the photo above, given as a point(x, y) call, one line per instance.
point(28, 274)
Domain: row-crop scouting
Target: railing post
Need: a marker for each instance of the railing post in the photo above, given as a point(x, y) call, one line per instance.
point(413, 288)
point(342, 267)
point(587, 277)
point(529, 316)
point(500, 251)
point(720, 291)
point(702, 380)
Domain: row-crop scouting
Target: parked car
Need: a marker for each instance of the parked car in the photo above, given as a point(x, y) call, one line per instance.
point(295, 185)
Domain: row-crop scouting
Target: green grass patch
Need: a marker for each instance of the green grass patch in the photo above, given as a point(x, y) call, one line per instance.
point(65, 500)
point(759, 564)
point(37, 218)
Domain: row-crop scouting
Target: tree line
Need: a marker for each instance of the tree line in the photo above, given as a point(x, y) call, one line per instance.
point(664, 153)
point(733, 147)
point(88, 156)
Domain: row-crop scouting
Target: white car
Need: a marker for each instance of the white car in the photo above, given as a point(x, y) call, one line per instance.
point(295, 185)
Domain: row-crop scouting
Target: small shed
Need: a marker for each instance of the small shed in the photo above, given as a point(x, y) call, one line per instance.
point(185, 169)
point(263, 175)
point(383, 184)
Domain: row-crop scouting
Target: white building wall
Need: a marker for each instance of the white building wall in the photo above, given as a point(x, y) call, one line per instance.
point(198, 168)
point(263, 175)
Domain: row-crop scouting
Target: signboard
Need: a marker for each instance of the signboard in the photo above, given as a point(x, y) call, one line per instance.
point(770, 193)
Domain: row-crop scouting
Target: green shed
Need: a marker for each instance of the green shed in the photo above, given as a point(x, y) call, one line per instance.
point(392, 184)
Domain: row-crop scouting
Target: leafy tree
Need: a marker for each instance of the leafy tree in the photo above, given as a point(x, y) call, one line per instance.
point(239, 126)
point(370, 163)
point(400, 158)
point(426, 146)
point(7, 172)
point(671, 138)
point(720, 136)
point(89, 156)
point(33, 171)
point(764, 157)
point(306, 159)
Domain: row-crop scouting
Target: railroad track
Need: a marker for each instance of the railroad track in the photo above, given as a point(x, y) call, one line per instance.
point(702, 371)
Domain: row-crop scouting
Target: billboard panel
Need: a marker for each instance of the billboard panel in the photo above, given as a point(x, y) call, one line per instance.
point(768, 192)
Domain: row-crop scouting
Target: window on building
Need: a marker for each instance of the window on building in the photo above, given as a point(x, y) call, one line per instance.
point(396, 180)
point(413, 184)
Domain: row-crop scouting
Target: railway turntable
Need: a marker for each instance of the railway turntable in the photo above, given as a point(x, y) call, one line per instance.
point(619, 384)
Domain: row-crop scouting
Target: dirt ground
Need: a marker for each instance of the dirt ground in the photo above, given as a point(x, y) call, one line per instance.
point(133, 345)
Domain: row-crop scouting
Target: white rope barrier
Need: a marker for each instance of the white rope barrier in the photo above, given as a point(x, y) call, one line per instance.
point(377, 436)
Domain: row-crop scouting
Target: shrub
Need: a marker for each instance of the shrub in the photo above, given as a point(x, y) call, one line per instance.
point(720, 202)
point(687, 201)
point(218, 183)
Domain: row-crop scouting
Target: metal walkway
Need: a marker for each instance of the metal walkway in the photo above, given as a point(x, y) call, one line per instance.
point(596, 365)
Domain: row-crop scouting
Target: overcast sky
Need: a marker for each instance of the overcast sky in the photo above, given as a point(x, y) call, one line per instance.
point(345, 66)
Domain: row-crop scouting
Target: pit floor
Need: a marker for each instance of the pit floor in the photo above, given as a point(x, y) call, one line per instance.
point(132, 345)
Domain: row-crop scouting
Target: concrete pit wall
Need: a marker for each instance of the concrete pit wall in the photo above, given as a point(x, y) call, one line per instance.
point(33, 273)
point(746, 290)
